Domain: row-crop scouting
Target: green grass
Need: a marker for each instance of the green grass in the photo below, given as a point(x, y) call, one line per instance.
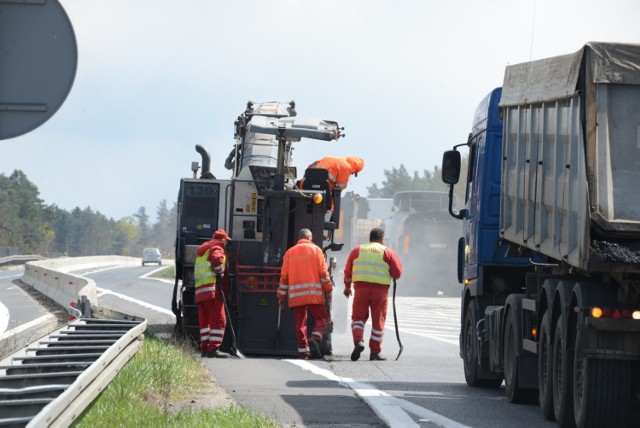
point(168, 273)
point(150, 389)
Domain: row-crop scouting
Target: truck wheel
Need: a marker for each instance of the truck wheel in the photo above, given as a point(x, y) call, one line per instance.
point(545, 362)
point(562, 378)
point(469, 351)
point(601, 390)
point(470, 361)
point(515, 393)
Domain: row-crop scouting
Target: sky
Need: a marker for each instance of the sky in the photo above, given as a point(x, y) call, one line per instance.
point(403, 77)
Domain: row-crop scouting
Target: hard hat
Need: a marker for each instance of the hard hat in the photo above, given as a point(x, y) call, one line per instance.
point(356, 164)
point(221, 234)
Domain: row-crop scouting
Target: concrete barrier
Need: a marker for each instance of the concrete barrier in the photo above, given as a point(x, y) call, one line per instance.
point(54, 279)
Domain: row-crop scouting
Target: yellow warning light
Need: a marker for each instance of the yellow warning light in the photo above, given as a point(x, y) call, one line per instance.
point(635, 315)
point(534, 332)
point(317, 198)
point(596, 312)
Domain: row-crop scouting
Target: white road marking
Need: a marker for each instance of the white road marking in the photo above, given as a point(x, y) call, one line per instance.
point(91, 272)
point(430, 317)
point(394, 411)
point(4, 318)
point(432, 337)
point(143, 276)
point(12, 276)
point(146, 275)
point(43, 319)
point(102, 292)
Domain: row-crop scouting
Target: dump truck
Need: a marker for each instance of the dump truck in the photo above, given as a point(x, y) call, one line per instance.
point(359, 215)
point(550, 252)
point(262, 207)
point(425, 237)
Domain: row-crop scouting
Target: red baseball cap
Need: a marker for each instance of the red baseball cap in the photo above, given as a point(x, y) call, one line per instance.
point(221, 234)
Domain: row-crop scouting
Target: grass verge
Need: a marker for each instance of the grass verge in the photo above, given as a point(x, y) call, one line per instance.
point(164, 386)
point(167, 273)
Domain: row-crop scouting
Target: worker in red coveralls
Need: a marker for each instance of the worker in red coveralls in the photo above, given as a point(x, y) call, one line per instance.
point(211, 264)
point(340, 170)
point(370, 267)
point(305, 279)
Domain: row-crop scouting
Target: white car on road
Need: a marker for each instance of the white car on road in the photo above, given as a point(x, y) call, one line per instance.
point(151, 255)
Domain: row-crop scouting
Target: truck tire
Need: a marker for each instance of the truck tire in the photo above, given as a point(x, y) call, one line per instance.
point(469, 348)
point(601, 390)
point(472, 369)
point(545, 363)
point(562, 378)
point(515, 393)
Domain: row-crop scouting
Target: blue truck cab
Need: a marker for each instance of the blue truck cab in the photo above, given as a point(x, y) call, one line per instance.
point(483, 249)
point(488, 268)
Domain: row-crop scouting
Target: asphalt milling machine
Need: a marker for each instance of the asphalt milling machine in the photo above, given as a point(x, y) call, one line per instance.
point(262, 207)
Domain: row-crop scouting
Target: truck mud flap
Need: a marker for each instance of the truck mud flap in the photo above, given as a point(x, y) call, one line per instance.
point(611, 338)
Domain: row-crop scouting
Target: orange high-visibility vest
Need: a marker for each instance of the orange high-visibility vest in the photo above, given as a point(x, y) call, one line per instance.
point(304, 275)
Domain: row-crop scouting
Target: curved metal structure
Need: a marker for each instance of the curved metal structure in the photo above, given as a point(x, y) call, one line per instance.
point(52, 380)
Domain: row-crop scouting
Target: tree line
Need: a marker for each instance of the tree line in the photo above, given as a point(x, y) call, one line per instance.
point(399, 180)
point(34, 227)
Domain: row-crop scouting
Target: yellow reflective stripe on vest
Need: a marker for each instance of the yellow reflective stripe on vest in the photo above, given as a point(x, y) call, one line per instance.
point(370, 266)
point(202, 272)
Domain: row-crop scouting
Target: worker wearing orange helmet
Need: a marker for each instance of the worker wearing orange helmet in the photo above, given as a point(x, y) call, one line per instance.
point(340, 169)
point(305, 279)
point(210, 267)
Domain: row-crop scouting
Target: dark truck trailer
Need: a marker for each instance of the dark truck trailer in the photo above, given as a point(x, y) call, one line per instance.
point(424, 235)
point(550, 256)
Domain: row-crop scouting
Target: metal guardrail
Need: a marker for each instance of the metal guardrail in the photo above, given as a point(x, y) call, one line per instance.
point(51, 381)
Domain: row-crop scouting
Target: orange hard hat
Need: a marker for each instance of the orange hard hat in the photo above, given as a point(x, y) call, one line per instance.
point(356, 163)
point(221, 234)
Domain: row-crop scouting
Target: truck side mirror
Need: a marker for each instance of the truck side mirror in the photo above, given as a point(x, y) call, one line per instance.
point(451, 167)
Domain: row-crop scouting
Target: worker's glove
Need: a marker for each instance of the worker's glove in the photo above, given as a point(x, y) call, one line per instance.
point(347, 291)
point(219, 271)
point(281, 303)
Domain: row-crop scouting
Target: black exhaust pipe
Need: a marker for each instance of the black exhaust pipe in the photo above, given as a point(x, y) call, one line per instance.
point(206, 162)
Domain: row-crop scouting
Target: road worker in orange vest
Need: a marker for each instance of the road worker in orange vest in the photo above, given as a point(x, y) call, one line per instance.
point(304, 278)
point(370, 267)
point(210, 267)
point(340, 170)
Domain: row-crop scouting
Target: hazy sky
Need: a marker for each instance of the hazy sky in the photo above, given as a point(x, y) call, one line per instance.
point(403, 77)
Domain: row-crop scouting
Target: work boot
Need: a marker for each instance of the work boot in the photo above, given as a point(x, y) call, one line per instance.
point(314, 346)
point(357, 350)
point(217, 354)
point(375, 356)
point(304, 356)
point(203, 354)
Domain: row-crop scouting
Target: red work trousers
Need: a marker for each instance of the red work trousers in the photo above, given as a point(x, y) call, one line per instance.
point(321, 318)
point(213, 321)
point(375, 296)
